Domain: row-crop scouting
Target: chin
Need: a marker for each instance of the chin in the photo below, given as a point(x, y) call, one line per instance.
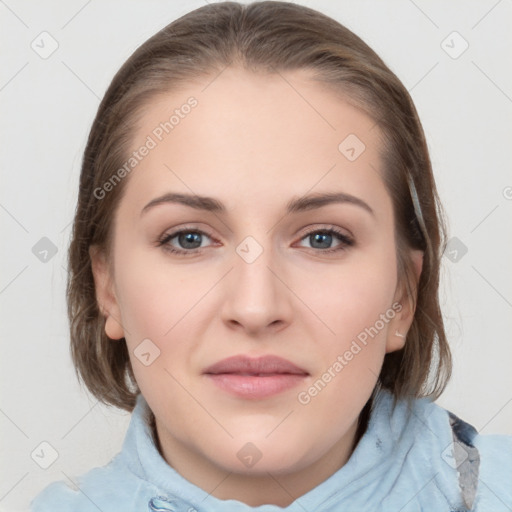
point(262, 456)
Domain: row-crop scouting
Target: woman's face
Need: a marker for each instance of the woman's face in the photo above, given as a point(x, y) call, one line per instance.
point(257, 273)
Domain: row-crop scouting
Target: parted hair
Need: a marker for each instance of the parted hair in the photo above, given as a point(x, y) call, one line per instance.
point(265, 37)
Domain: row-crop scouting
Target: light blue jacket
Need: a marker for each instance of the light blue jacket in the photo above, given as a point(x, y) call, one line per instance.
point(414, 459)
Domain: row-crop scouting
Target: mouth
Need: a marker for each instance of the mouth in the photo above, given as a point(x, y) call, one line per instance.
point(255, 378)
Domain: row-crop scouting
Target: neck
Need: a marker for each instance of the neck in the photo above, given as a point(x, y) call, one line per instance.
point(255, 490)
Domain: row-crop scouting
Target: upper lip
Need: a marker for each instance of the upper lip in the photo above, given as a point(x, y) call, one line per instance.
point(254, 366)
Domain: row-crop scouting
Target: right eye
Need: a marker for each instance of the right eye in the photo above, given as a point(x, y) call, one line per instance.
point(189, 240)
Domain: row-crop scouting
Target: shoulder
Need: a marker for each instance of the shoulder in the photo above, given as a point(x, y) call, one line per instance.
point(59, 496)
point(468, 470)
point(119, 485)
point(106, 488)
point(483, 462)
point(495, 472)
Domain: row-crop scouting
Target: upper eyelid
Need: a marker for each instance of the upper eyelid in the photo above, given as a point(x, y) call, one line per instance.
point(173, 234)
point(328, 227)
point(309, 229)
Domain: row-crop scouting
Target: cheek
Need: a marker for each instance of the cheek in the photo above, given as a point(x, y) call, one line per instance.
point(156, 296)
point(153, 294)
point(357, 307)
point(163, 302)
point(350, 358)
point(352, 296)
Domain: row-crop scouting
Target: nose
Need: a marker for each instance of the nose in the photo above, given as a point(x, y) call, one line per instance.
point(257, 299)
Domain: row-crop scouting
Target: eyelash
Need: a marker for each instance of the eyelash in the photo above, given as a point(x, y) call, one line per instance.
point(345, 241)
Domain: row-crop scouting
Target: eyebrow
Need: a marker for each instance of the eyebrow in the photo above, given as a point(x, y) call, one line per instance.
point(300, 204)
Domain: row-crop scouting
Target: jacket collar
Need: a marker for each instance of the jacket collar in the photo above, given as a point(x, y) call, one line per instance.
point(394, 437)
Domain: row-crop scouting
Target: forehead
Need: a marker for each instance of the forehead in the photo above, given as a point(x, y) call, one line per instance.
point(239, 134)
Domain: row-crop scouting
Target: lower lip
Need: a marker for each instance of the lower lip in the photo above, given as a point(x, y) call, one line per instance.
point(250, 386)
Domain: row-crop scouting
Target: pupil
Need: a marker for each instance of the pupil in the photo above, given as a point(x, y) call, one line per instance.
point(190, 239)
point(324, 238)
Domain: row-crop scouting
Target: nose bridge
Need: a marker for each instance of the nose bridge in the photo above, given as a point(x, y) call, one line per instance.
point(255, 298)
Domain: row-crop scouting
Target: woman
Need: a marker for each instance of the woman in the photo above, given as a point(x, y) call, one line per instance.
point(254, 272)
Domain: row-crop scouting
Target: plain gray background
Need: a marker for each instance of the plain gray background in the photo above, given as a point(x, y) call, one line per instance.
point(48, 104)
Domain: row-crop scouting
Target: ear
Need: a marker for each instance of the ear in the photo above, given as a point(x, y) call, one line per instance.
point(105, 295)
point(405, 307)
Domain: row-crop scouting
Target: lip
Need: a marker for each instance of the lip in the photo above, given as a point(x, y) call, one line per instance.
point(255, 378)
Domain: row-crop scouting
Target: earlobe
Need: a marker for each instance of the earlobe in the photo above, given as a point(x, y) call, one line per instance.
point(397, 334)
point(396, 341)
point(105, 296)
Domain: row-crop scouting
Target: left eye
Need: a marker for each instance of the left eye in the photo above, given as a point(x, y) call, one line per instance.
point(323, 238)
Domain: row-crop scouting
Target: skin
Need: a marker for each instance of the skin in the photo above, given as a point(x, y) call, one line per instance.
point(254, 143)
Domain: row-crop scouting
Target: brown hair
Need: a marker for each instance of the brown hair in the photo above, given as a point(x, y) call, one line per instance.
point(263, 37)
